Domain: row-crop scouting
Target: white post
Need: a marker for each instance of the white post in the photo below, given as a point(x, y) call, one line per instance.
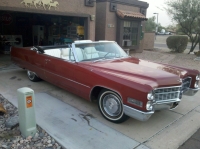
point(26, 109)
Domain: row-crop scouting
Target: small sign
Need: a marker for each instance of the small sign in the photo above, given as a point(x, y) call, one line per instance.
point(111, 25)
point(46, 4)
point(6, 18)
point(29, 102)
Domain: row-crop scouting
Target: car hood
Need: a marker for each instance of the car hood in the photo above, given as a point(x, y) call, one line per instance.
point(141, 71)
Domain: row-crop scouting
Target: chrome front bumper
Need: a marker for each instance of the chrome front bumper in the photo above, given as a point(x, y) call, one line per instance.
point(144, 116)
point(136, 114)
point(191, 92)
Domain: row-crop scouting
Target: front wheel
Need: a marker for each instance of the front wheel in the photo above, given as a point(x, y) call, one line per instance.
point(111, 106)
point(32, 76)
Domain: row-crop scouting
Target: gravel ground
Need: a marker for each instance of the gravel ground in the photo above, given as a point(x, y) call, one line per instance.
point(178, 59)
point(10, 136)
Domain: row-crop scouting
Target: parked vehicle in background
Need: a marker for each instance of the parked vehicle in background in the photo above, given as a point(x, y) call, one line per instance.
point(163, 33)
point(160, 33)
point(168, 33)
point(124, 86)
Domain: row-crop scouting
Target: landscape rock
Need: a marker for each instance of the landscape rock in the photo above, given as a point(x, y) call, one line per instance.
point(4, 146)
point(2, 120)
point(12, 122)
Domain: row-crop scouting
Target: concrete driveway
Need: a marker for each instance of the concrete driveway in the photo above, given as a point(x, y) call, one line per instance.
point(165, 129)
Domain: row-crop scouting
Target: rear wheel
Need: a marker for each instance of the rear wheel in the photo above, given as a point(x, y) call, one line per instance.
point(111, 106)
point(32, 76)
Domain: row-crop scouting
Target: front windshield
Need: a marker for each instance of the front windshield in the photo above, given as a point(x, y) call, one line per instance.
point(98, 51)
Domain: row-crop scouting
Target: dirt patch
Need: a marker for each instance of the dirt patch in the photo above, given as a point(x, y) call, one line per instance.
point(179, 59)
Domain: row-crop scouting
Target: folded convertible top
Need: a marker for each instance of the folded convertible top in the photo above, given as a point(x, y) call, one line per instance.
point(42, 48)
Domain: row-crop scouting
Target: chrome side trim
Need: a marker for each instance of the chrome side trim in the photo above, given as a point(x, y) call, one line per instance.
point(136, 114)
point(191, 92)
point(69, 79)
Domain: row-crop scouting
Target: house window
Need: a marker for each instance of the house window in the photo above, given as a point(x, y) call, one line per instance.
point(130, 33)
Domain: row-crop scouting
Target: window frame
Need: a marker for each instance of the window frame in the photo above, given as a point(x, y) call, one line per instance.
point(120, 32)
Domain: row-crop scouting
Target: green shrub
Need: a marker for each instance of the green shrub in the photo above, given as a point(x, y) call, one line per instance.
point(177, 43)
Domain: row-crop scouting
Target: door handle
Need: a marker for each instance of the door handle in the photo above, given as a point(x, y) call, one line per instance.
point(47, 60)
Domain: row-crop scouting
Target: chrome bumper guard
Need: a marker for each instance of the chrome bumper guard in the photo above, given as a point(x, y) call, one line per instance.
point(136, 114)
point(191, 92)
point(166, 105)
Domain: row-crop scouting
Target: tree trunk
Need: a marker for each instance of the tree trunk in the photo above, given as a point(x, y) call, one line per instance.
point(194, 44)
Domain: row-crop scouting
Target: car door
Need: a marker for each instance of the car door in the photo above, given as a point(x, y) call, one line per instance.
point(60, 72)
point(34, 62)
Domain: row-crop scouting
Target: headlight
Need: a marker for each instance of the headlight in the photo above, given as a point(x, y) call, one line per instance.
point(196, 85)
point(150, 96)
point(198, 77)
point(149, 106)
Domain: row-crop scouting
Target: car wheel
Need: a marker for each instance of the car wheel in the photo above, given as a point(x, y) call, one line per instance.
point(32, 76)
point(111, 106)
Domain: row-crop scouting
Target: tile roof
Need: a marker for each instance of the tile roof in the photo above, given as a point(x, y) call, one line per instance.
point(130, 14)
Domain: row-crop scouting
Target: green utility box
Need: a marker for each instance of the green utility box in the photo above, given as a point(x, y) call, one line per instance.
point(26, 109)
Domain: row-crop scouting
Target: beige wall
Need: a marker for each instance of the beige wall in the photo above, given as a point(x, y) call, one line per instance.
point(66, 7)
point(100, 21)
point(105, 17)
point(111, 18)
point(149, 39)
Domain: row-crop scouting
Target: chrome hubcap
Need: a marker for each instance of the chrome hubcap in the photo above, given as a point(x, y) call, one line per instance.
point(111, 105)
point(31, 75)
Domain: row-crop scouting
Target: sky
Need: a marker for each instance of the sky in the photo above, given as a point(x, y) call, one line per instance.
point(156, 6)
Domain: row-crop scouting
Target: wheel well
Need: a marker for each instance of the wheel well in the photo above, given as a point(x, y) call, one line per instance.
point(96, 90)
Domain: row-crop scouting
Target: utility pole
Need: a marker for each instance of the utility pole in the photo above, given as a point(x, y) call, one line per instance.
point(156, 24)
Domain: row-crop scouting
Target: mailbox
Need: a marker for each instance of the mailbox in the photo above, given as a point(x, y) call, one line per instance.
point(26, 109)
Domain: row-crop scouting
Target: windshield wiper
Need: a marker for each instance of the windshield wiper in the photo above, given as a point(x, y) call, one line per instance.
point(99, 60)
point(117, 57)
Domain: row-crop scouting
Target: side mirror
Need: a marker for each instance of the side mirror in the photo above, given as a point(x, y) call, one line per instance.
point(38, 52)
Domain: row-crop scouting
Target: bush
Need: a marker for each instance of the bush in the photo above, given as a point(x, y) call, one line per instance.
point(177, 43)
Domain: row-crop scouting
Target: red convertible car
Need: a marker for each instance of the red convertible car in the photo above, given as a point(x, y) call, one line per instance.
point(123, 85)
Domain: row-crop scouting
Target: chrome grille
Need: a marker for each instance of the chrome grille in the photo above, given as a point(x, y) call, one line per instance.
point(161, 94)
point(186, 84)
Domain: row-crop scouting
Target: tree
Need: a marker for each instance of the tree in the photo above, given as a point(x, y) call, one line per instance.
point(150, 24)
point(160, 27)
point(172, 27)
point(186, 14)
